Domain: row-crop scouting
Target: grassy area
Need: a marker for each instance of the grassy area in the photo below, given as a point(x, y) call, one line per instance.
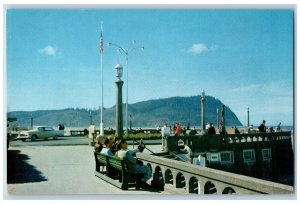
point(143, 136)
point(138, 136)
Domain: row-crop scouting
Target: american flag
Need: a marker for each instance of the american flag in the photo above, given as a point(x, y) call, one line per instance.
point(101, 42)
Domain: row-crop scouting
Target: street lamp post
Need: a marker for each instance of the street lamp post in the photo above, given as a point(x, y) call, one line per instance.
point(91, 119)
point(203, 111)
point(31, 121)
point(119, 114)
point(223, 127)
point(126, 52)
point(218, 117)
point(130, 123)
point(248, 118)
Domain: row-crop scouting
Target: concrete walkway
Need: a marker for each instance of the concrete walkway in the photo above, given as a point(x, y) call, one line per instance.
point(58, 171)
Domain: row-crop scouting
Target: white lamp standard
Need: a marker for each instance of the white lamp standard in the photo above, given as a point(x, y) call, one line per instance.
point(126, 52)
point(119, 71)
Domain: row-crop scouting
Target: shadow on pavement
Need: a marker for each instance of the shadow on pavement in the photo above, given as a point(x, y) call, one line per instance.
point(19, 170)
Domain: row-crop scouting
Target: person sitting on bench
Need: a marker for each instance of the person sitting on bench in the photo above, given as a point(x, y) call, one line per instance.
point(133, 164)
point(98, 146)
point(108, 142)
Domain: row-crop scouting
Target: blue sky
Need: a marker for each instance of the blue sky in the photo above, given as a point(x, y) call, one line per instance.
point(242, 57)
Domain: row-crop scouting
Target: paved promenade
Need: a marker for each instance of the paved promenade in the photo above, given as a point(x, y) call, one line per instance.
point(60, 170)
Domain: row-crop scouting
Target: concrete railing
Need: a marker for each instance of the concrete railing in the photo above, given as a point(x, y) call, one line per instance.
point(256, 137)
point(201, 143)
point(202, 180)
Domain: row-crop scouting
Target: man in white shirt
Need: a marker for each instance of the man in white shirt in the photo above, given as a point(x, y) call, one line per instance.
point(165, 132)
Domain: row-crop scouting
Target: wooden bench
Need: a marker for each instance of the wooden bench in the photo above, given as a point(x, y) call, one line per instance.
point(116, 172)
point(100, 161)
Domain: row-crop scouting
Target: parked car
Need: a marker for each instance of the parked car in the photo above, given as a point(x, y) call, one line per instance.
point(40, 132)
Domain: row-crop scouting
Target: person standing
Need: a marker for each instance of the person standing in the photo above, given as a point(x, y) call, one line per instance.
point(59, 126)
point(165, 132)
point(188, 126)
point(278, 127)
point(236, 130)
point(250, 128)
point(211, 129)
point(262, 127)
point(173, 129)
point(178, 130)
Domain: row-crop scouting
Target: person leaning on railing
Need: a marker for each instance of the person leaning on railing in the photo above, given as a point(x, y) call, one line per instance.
point(185, 149)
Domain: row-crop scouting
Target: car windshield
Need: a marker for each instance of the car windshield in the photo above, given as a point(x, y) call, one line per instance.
point(48, 128)
point(44, 128)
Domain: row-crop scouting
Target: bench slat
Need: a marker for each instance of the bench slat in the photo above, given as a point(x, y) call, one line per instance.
point(102, 158)
point(116, 163)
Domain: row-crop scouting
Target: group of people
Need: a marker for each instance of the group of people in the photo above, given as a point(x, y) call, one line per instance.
point(182, 148)
point(263, 128)
point(112, 147)
point(176, 129)
point(166, 131)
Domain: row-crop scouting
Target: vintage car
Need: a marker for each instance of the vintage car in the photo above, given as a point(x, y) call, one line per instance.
point(40, 132)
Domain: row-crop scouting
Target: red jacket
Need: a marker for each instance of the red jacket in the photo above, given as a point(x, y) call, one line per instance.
point(178, 130)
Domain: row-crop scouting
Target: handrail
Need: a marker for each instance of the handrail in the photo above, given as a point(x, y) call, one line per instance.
point(237, 182)
point(196, 178)
point(205, 142)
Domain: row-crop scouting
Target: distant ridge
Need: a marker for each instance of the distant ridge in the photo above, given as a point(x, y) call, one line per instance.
point(151, 113)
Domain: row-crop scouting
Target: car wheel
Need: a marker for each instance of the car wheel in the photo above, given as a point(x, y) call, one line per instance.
point(23, 140)
point(33, 137)
point(46, 139)
point(55, 137)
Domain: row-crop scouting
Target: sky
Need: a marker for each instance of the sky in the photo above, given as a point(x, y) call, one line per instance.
point(242, 57)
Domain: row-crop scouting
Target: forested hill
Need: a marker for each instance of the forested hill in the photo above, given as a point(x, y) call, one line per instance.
point(150, 113)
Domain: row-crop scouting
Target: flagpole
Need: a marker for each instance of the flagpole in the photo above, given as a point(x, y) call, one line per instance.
point(101, 53)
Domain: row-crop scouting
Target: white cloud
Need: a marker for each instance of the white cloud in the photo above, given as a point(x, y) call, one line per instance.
point(199, 48)
point(49, 50)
